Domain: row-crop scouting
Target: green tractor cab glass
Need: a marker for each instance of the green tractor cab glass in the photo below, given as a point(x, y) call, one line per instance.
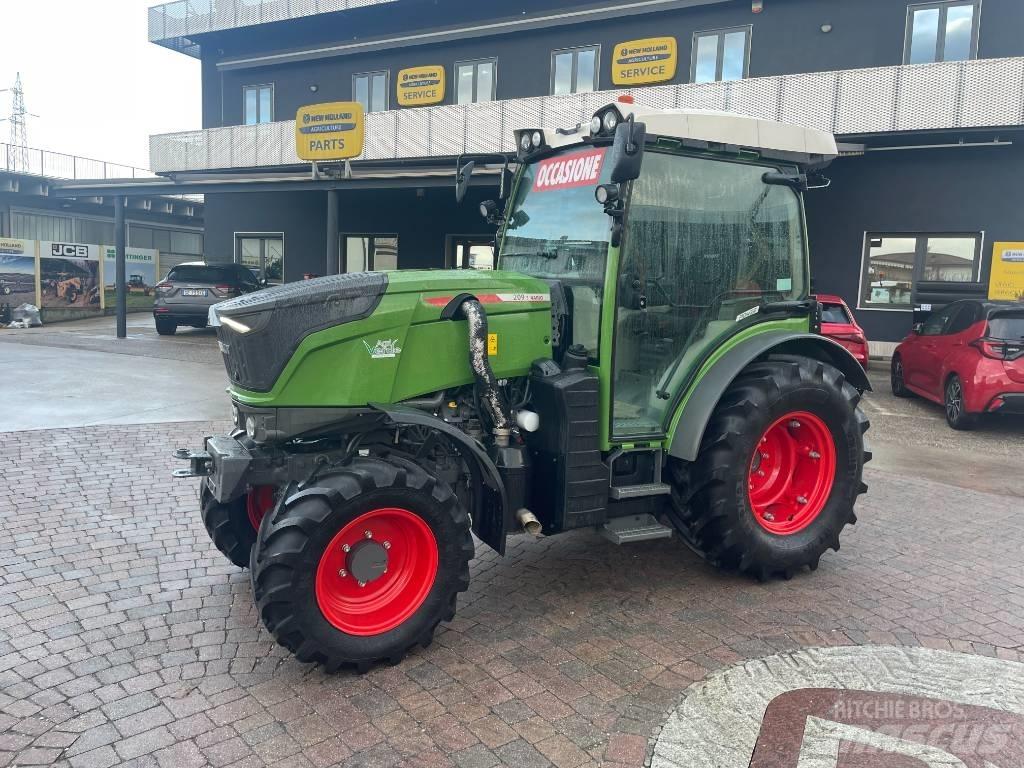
point(644, 361)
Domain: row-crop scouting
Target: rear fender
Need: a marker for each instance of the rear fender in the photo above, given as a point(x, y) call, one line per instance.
point(698, 407)
point(490, 501)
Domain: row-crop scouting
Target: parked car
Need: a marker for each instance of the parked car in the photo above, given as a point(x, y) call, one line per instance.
point(838, 323)
point(969, 356)
point(185, 296)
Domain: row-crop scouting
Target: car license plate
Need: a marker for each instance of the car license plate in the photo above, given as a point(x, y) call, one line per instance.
point(193, 292)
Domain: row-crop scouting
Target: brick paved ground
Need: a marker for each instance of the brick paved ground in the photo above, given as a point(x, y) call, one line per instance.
point(126, 639)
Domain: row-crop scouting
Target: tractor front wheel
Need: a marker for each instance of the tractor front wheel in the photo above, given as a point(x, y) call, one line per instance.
point(363, 565)
point(778, 472)
point(233, 526)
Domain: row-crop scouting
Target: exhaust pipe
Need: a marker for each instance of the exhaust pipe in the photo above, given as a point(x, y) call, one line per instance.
point(487, 383)
point(529, 522)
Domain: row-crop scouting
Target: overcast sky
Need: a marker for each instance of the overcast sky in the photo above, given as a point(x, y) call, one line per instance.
point(99, 87)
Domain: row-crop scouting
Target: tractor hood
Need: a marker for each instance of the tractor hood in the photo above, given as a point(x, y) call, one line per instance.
point(261, 332)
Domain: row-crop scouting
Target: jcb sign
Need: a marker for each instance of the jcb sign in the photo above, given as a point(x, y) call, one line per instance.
point(69, 251)
point(331, 131)
point(420, 86)
point(640, 62)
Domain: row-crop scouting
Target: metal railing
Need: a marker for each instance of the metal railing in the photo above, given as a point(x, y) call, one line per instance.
point(948, 95)
point(182, 18)
point(57, 165)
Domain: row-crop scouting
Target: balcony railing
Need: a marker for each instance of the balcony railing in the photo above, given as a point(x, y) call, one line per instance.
point(178, 20)
point(948, 95)
point(57, 165)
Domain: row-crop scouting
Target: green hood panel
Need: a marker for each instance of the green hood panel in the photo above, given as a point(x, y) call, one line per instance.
point(404, 349)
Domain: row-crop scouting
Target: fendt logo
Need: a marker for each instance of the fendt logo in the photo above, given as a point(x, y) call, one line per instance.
point(69, 251)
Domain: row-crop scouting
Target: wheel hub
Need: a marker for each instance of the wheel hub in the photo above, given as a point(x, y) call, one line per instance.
point(367, 561)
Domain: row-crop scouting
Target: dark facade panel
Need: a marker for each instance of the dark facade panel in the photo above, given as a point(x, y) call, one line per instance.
point(787, 38)
point(934, 191)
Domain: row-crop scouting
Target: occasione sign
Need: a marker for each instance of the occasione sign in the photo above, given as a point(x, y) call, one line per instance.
point(640, 62)
point(1007, 280)
point(419, 86)
point(579, 169)
point(332, 131)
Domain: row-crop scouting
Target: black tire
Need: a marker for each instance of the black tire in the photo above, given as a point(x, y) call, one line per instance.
point(5, 290)
point(896, 378)
point(166, 327)
point(710, 505)
point(291, 543)
point(229, 527)
point(956, 411)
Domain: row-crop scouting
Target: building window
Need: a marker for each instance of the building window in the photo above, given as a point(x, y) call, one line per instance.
point(894, 264)
point(722, 54)
point(574, 70)
point(475, 81)
point(261, 252)
point(259, 104)
point(944, 31)
point(363, 253)
point(371, 90)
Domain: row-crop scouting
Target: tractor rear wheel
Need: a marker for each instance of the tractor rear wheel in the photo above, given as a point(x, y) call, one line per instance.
point(233, 526)
point(364, 565)
point(778, 472)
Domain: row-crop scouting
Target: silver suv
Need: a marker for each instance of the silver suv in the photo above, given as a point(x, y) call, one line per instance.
point(185, 296)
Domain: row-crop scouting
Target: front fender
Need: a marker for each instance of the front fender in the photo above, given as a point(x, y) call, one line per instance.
point(490, 501)
point(698, 407)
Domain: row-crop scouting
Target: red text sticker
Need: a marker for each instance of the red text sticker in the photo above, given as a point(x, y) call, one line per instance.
point(580, 169)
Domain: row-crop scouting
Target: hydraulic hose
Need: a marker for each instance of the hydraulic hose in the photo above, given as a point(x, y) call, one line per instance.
point(491, 398)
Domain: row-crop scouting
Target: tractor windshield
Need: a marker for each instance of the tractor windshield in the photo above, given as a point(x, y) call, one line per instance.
point(557, 231)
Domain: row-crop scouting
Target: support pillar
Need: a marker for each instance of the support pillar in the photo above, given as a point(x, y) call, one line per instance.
point(120, 285)
point(333, 238)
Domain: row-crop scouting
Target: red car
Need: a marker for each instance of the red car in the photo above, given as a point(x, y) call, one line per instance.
point(968, 357)
point(837, 323)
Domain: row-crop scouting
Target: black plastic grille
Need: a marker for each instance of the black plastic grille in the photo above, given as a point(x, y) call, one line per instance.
point(281, 317)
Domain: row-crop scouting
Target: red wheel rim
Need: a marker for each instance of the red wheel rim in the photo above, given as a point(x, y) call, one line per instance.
point(409, 552)
point(792, 473)
point(258, 502)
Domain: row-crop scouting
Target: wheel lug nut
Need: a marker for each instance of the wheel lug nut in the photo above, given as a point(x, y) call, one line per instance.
point(814, 455)
point(368, 534)
point(794, 424)
point(343, 573)
point(764, 456)
point(346, 548)
point(386, 545)
point(760, 473)
point(801, 499)
point(362, 583)
point(769, 517)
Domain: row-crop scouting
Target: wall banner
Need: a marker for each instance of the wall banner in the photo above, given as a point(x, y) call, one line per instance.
point(17, 272)
point(1006, 282)
point(642, 62)
point(420, 86)
point(141, 265)
point(69, 276)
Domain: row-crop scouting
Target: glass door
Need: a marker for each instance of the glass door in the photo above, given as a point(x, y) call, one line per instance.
point(263, 254)
point(368, 253)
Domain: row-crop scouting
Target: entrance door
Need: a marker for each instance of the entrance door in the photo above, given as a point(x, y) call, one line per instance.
point(263, 254)
point(368, 253)
point(472, 252)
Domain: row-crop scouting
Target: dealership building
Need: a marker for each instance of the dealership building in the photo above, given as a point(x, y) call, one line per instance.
point(925, 98)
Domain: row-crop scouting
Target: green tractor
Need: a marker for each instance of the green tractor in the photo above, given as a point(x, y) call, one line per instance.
point(645, 361)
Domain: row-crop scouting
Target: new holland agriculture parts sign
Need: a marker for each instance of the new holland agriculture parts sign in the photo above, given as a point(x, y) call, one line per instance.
point(641, 62)
point(1007, 280)
point(332, 131)
point(420, 86)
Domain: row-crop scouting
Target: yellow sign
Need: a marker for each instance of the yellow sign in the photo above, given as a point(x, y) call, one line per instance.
point(419, 86)
point(492, 344)
point(332, 131)
point(1007, 280)
point(639, 62)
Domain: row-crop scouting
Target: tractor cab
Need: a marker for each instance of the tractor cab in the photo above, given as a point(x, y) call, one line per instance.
point(664, 234)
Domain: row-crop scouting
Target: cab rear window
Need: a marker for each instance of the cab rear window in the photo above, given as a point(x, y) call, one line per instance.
point(196, 274)
point(833, 313)
point(1006, 327)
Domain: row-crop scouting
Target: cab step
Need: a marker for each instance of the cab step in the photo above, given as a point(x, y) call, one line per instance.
point(621, 492)
point(626, 530)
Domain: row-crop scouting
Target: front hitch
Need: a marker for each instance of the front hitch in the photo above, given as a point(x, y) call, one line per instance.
point(200, 463)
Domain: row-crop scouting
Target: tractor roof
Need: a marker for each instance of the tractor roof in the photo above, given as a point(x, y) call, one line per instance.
point(728, 128)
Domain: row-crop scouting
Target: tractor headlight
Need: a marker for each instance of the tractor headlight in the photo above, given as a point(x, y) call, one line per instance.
point(250, 427)
point(610, 120)
point(537, 139)
point(524, 142)
point(234, 414)
point(595, 125)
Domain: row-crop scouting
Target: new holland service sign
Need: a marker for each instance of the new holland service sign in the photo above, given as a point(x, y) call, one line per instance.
point(332, 131)
point(641, 62)
point(420, 86)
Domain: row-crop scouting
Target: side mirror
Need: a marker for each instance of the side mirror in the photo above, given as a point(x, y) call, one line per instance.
point(627, 153)
point(462, 180)
point(918, 327)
